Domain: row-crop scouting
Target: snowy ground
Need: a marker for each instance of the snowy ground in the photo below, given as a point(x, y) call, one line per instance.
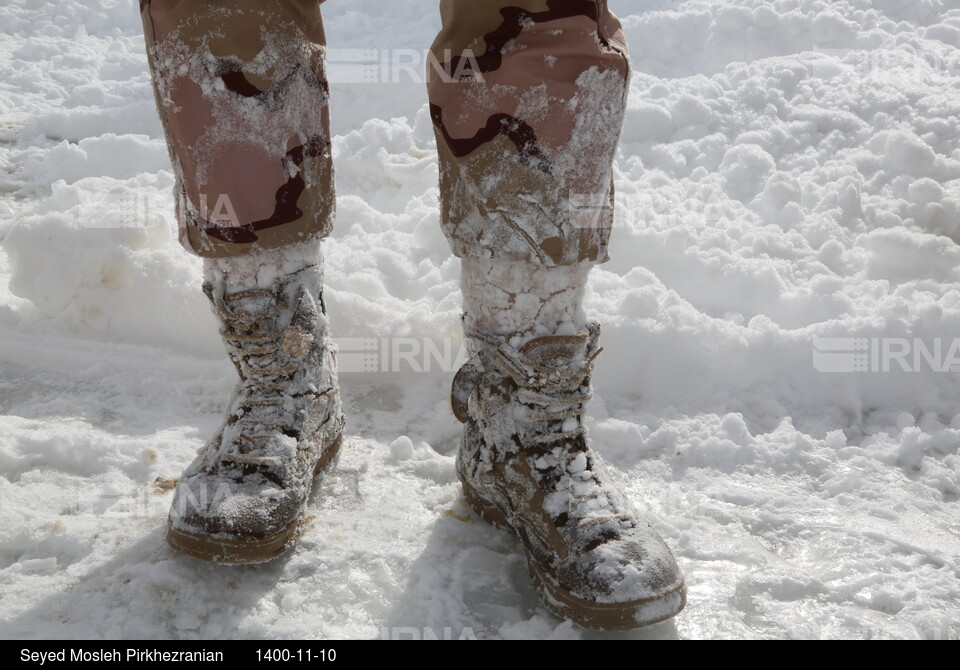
point(790, 169)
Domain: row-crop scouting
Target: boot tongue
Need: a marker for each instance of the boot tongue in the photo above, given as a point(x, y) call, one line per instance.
point(556, 351)
point(261, 310)
point(254, 302)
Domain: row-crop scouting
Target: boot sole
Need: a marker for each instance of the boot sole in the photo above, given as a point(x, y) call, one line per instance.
point(585, 613)
point(249, 552)
point(606, 616)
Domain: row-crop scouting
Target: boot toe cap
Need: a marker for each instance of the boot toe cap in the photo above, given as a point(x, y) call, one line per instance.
point(241, 512)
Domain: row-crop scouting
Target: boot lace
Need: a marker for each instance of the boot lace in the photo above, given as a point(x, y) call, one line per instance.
point(258, 347)
point(555, 395)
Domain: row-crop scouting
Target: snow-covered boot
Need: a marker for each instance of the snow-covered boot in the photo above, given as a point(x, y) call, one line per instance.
point(525, 464)
point(242, 500)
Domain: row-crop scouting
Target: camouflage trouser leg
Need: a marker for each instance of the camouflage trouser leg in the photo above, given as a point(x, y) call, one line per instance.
point(528, 114)
point(242, 94)
point(527, 99)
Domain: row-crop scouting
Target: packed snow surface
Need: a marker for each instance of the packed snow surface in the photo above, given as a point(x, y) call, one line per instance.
point(789, 170)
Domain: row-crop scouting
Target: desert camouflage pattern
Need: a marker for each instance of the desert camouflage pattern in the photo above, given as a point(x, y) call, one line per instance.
point(527, 100)
point(243, 97)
